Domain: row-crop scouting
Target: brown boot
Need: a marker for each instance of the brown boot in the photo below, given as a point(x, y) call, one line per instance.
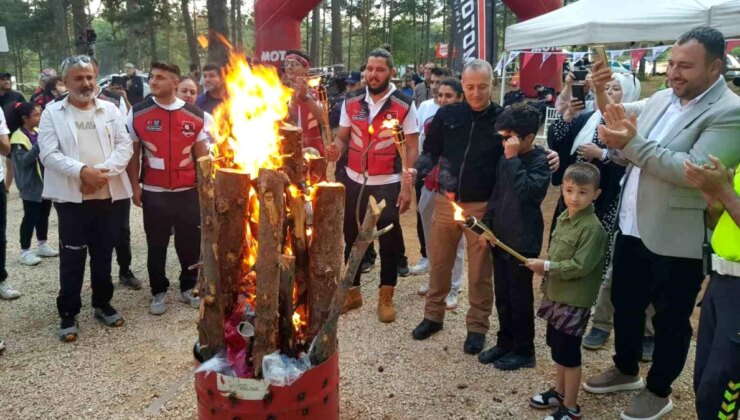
point(352, 300)
point(386, 310)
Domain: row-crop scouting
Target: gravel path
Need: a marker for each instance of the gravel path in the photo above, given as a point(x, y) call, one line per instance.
point(121, 373)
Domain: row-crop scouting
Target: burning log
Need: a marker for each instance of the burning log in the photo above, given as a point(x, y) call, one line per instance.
point(298, 240)
point(292, 151)
point(325, 342)
point(328, 136)
point(316, 170)
point(232, 187)
point(326, 252)
point(271, 218)
point(285, 305)
point(211, 319)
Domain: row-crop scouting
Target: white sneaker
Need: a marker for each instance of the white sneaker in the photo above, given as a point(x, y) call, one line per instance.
point(29, 258)
point(7, 292)
point(2, 347)
point(187, 297)
point(46, 250)
point(451, 300)
point(423, 289)
point(159, 304)
point(422, 267)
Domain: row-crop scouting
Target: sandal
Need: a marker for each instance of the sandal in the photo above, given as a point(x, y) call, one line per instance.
point(109, 316)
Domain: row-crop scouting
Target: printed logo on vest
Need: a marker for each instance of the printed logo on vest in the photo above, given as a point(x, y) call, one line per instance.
point(360, 115)
point(153, 125)
point(188, 128)
point(391, 115)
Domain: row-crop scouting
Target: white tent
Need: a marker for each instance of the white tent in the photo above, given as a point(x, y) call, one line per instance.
point(608, 21)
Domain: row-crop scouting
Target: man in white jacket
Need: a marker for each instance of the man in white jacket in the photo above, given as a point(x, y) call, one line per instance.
point(85, 148)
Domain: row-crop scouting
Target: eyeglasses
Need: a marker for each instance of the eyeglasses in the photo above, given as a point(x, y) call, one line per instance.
point(292, 63)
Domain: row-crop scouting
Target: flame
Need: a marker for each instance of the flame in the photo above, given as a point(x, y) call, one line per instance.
point(371, 130)
point(309, 231)
point(246, 129)
point(294, 191)
point(298, 321)
point(314, 82)
point(459, 217)
point(392, 123)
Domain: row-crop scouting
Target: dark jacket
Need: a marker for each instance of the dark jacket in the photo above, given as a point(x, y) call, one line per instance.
point(207, 103)
point(29, 173)
point(513, 212)
point(135, 92)
point(467, 147)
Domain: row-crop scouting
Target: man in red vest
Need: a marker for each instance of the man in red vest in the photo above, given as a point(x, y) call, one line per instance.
point(305, 111)
point(373, 162)
point(170, 134)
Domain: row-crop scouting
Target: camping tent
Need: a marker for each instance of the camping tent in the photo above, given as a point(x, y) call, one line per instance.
point(608, 21)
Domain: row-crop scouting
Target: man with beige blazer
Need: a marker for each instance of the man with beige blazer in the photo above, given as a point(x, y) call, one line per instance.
point(658, 250)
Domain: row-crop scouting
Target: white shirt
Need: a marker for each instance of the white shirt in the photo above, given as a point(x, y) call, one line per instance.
point(427, 110)
point(628, 209)
point(59, 151)
point(91, 151)
point(409, 127)
point(4, 131)
point(202, 136)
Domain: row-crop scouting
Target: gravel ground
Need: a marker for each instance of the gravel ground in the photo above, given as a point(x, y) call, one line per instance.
point(127, 372)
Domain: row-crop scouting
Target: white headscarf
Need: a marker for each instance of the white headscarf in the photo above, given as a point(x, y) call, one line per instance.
point(630, 93)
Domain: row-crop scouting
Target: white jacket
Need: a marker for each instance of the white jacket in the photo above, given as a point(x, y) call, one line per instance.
point(60, 156)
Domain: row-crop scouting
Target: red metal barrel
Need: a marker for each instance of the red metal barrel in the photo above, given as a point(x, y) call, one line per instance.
point(315, 395)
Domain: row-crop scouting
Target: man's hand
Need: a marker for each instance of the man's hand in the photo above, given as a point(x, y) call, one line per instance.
point(574, 108)
point(569, 79)
point(93, 177)
point(511, 147)
point(536, 265)
point(619, 128)
point(553, 159)
point(136, 198)
point(590, 151)
point(333, 153)
point(711, 178)
point(601, 74)
point(404, 200)
point(300, 87)
point(483, 242)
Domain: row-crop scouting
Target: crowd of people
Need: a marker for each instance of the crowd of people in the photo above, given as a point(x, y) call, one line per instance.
point(627, 252)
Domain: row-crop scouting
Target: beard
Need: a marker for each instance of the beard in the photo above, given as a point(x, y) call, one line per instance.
point(84, 95)
point(380, 89)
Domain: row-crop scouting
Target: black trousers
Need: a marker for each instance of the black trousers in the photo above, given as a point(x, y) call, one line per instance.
point(88, 227)
point(671, 284)
point(419, 226)
point(514, 304)
point(717, 369)
point(3, 228)
point(35, 216)
point(391, 243)
point(123, 245)
point(162, 212)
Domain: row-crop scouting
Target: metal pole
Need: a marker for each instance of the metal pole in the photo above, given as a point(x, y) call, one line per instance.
point(503, 77)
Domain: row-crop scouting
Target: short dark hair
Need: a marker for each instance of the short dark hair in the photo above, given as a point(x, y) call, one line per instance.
point(212, 67)
point(383, 53)
point(299, 53)
point(441, 72)
point(184, 78)
point(387, 47)
point(363, 67)
point(51, 85)
point(163, 65)
point(712, 40)
point(583, 174)
point(521, 118)
point(537, 86)
point(454, 84)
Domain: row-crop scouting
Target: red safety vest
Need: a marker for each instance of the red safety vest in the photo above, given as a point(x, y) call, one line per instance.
point(311, 131)
point(168, 138)
point(382, 158)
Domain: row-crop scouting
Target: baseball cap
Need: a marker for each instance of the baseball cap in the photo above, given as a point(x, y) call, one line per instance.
point(6, 76)
point(353, 77)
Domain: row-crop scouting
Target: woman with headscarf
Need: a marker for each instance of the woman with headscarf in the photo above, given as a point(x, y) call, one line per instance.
point(575, 138)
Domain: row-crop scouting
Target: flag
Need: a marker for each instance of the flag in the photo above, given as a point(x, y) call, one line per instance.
point(637, 55)
point(577, 56)
point(526, 58)
point(512, 56)
point(656, 51)
point(615, 54)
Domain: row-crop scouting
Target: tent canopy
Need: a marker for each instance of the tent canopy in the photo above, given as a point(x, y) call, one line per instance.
point(608, 21)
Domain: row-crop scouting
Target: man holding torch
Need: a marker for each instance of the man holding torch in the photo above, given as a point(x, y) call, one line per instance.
point(380, 163)
point(304, 111)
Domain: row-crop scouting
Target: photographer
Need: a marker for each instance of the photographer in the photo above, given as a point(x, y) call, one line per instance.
point(133, 85)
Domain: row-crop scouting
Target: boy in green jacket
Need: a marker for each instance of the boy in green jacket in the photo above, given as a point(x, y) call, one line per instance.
point(572, 275)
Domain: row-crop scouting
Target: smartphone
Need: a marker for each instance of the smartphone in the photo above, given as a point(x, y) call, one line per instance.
point(580, 74)
point(600, 52)
point(578, 92)
point(118, 81)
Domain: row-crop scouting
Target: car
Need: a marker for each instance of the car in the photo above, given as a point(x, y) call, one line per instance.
point(732, 66)
point(618, 67)
point(104, 82)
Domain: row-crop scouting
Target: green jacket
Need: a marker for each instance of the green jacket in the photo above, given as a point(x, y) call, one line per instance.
point(576, 256)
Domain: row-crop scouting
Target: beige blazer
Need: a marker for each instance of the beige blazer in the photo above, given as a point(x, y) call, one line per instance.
point(669, 210)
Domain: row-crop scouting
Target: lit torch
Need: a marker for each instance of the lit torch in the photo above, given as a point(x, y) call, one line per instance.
point(315, 83)
point(479, 228)
point(400, 140)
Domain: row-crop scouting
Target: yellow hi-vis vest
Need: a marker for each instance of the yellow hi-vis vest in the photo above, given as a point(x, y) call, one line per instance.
point(726, 237)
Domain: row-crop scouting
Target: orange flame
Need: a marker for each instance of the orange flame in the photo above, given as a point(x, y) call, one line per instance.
point(459, 217)
point(246, 129)
point(298, 321)
point(392, 123)
point(314, 82)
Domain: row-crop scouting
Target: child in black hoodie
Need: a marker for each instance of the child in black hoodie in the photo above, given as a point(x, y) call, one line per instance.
point(514, 216)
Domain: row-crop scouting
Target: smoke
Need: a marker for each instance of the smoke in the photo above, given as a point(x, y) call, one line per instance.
point(424, 164)
point(447, 181)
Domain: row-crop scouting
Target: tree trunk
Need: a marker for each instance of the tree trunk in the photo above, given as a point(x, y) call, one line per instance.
point(189, 32)
point(271, 218)
point(336, 32)
point(217, 28)
point(315, 33)
point(232, 16)
point(239, 25)
point(451, 41)
point(61, 41)
point(153, 40)
point(79, 19)
point(292, 151)
point(133, 45)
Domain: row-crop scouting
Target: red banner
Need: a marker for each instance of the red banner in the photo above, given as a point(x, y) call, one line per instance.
point(442, 51)
point(526, 59)
point(731, 44)
point(636, 57)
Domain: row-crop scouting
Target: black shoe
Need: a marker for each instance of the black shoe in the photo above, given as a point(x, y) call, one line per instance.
point(366, 266)
point(426, 329)
point(403, 267)
point(492, 354)
point(474, 343)
point(513, 361)
point(128, 279)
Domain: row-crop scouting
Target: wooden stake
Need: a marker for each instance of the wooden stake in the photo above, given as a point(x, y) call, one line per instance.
point(211, 319)
point(316, 170)
point(296, 205)
point(232, 188)
point(325, 343)
point(326, 252)
point(285, 305)
point(271, 218)
point(292, 151)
